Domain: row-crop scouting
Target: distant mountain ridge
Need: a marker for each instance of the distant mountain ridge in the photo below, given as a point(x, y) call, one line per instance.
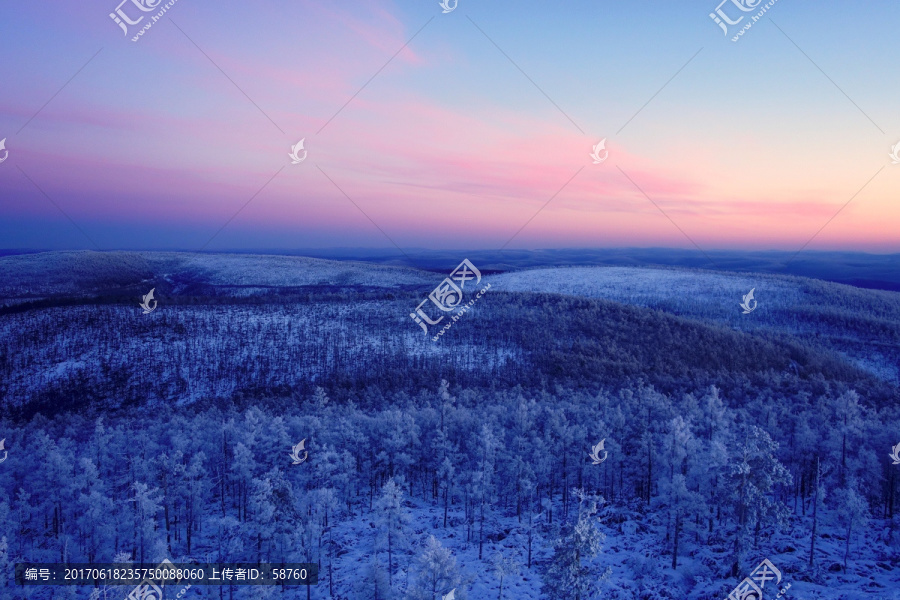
point(859, 269)
point(874, 271)
point(860, 324)
point(87, 273)
point(242, 328)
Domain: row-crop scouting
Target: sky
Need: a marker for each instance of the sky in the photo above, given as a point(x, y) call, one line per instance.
point(475, 134)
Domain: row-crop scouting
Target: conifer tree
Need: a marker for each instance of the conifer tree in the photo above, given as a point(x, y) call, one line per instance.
point(392, 522)
point(567, 577)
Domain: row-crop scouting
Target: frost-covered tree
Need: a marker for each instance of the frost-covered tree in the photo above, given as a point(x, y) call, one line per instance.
point(852, 511)
point(846, 415)
point(680, 502)
point(371, 582)
point(436, 573)
point(445, 401)
point(566, 576)
point(196, 486)
point(755, 472)
point(6, 567)
point(484, 477)
point(222, 488)
point(243, 468)
point(441, 461)
point(146, 501)
point(392, 522)
point(320, 400)
point(95, 507)
point(446, 475)
point(818, 500)
point(398, 435)
point(230, 535)
point(503, 566)
point(261, 522)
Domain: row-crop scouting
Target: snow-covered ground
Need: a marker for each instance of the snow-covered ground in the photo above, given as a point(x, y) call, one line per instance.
point(783, 304)
point(75, 273)
point(276, 344)
point(640, 565)
point(696, 293)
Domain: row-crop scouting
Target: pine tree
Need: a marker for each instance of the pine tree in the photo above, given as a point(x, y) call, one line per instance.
point(320, 401)
point(566, 577)
point(197, 488)
point(6, 567)
point(818, 499)
point(261, 512)
point(446, 474)
point(853, 513)
point(680, 444)
point(392, 522)
point(445, 401)
point(146, 506)
point(503, 566)
point(371, 583)
point(681, 503)
point(754, 474)
point(94, 509)
point(437, 573)
point(243, 467)
point(484, 478)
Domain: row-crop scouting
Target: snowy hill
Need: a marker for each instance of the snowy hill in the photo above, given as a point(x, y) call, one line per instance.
point(861, 324)
point(265, 328)
point(84, 273)
point(457, 464)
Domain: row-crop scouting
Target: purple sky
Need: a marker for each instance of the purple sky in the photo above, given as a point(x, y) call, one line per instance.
point(159, 143)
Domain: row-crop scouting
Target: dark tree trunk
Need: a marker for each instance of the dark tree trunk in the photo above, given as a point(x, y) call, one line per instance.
point(815, 524)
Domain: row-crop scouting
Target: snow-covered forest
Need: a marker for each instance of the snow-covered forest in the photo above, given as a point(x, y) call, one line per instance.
point(463, 466)
point(454, 488)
